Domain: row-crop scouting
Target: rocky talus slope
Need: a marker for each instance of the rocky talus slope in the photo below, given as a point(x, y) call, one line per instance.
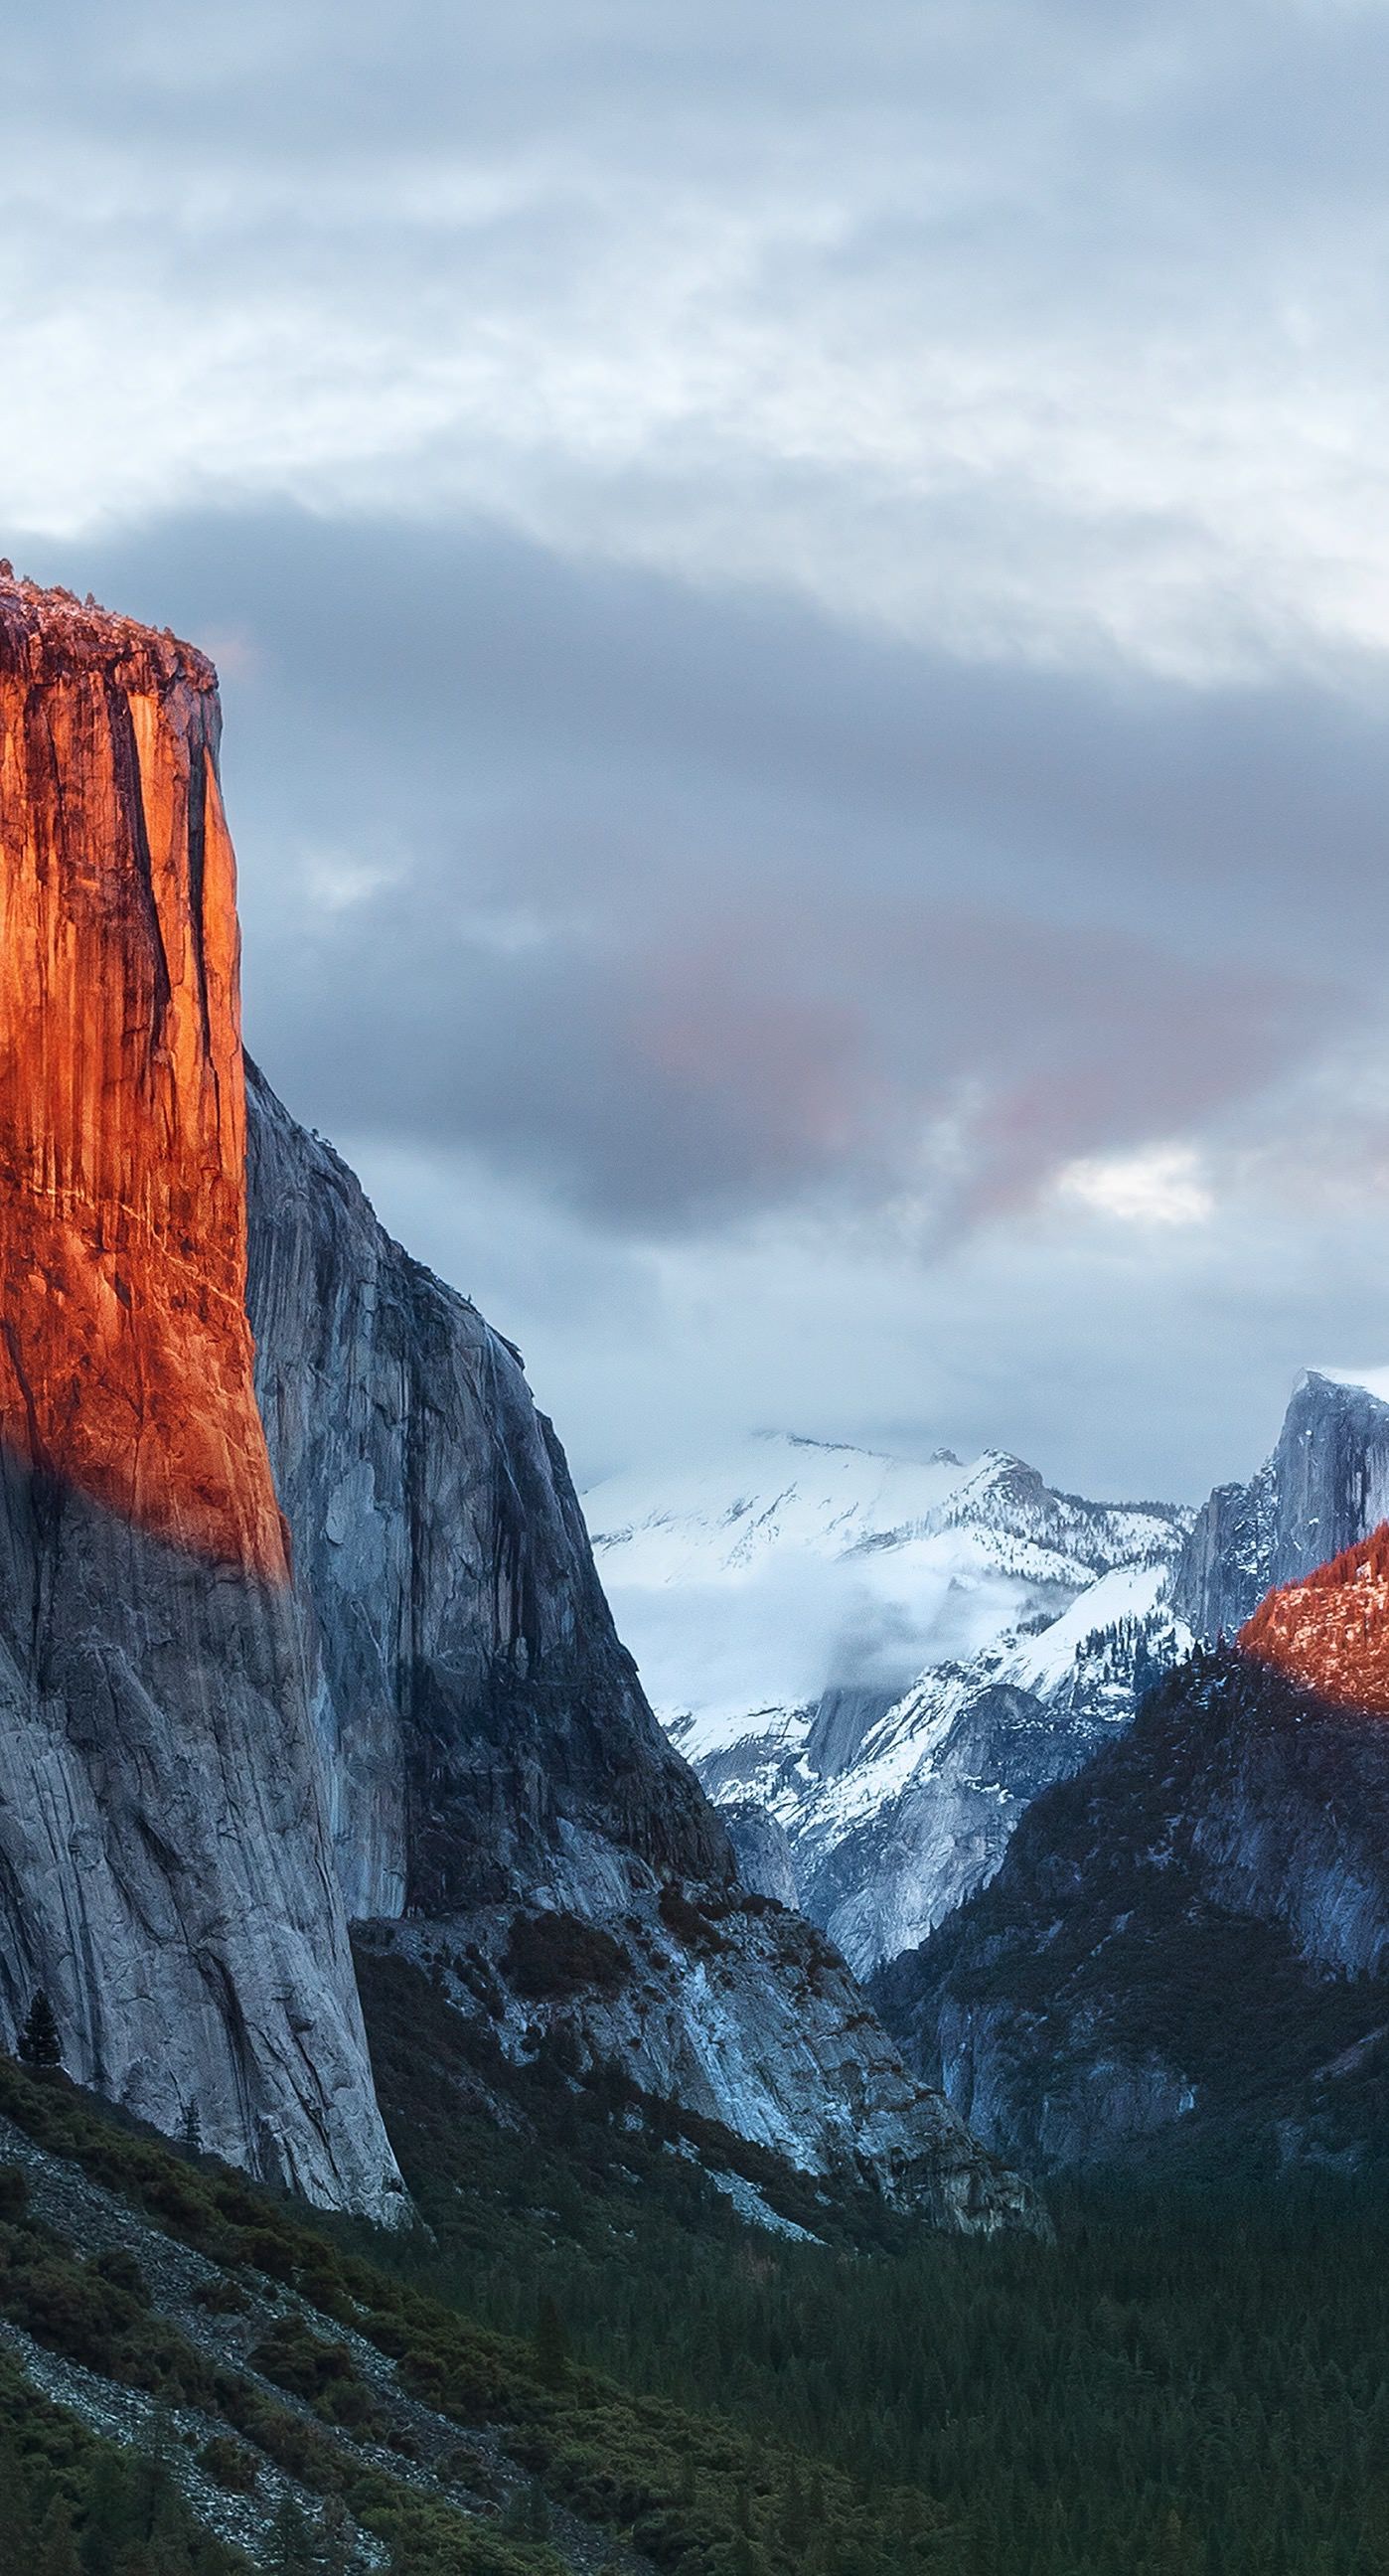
point(165, 1873)
point(276, 2367)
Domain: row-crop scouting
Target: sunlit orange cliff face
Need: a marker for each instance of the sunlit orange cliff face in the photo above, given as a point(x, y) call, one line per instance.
point(125, 1356)
point(1330, 1631)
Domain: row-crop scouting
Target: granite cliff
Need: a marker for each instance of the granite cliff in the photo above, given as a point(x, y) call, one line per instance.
point(505, 1808)
point(480, 1717)
point(165, 1873)
point(1325, 1486)
point(310, 1628)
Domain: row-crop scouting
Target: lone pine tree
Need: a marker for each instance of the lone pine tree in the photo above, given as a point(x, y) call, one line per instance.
point(39, 2044)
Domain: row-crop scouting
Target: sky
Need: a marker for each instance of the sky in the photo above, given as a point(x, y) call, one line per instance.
point(803, 604)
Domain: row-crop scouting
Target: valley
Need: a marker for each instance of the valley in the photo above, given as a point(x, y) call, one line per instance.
point(473, 2119)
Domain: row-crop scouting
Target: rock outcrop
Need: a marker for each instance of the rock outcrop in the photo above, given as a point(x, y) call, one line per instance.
point(165, 1871)
point(761, 1850)
point(1325, 1487)
point(1328, 1631)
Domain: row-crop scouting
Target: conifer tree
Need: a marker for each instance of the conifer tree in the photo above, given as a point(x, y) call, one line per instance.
point(793, 2517)
point(39, 2043)
point(291, 2542)
point(17, 2526)
point(109, 2521)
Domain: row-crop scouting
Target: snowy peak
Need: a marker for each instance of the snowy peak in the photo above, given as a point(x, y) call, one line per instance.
point(819, 1627)
point(775, 1492)
point(779, 1493)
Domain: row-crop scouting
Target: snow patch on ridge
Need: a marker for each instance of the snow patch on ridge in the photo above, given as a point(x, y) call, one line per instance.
point(817, 1626)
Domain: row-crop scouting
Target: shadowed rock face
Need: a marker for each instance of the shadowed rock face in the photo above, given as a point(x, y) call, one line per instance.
point(476, 1704)
point(1188, 1942)
point(501, 1791)
point(165, 1872)
point(762, 1851)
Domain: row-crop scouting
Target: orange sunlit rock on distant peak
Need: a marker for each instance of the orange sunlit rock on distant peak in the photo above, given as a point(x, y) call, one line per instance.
point(125, 1355)
point(1329, 1631)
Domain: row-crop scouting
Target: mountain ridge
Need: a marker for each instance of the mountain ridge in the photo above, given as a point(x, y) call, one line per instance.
point(888, 1822)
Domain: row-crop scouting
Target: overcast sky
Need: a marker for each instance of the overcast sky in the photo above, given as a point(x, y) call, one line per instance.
point(803, 603)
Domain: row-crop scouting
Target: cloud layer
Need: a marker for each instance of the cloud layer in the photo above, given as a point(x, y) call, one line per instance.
point(802, 600)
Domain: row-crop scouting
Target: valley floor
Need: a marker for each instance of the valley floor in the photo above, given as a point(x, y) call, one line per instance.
point(582, 2358)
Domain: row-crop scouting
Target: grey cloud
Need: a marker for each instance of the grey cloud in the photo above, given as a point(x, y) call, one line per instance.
point(972, 318)
point(974, 156)
point(679, 911)
point(1240, 89)
point(695, 906)
point(414, 673)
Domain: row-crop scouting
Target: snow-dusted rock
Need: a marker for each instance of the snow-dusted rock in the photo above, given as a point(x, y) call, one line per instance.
point(890, 1658)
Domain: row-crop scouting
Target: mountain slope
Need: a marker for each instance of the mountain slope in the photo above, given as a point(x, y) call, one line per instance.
point(1188, 1941)
point(502, 1797)
point(694, 2398)
point(1328, 1631)
point(783, 1604)
point(1165, 1951)
point(309, 2407)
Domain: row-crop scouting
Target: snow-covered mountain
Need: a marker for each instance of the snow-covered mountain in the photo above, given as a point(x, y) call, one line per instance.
point(890, 1657)
point(1172, 1936)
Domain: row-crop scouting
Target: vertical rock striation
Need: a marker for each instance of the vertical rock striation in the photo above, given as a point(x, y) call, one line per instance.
point(1325, 1487)
point(484, 1726)
point(506, 1808)
point(165, 1871)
